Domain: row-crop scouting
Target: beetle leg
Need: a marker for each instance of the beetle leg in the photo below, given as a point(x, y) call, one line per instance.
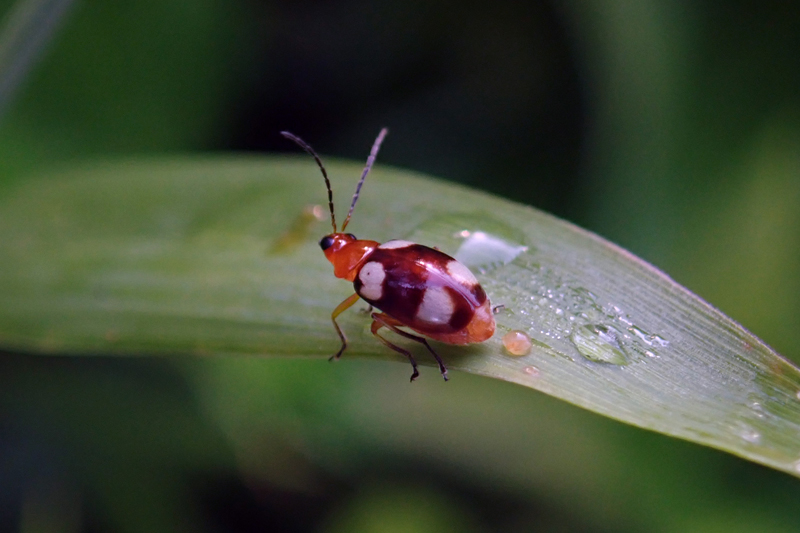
point(378, 323)
point(341, 308)
point(382, 319)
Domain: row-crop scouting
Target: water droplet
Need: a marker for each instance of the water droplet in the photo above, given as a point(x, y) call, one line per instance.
point(517, 342)
point(531, 371)
point(477, 240)
point(758, 410)
point(483, 249)
point(747, 433)
point(625, 320)
point(798, 395)
point(647, 338)
point(796, 465)
point(599, 343)
point(750, 435)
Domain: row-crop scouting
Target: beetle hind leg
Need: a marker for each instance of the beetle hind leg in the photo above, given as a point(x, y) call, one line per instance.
point(383, 320)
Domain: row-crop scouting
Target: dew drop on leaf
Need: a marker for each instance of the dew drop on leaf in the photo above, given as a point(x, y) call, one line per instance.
point(517, 342)
point(599, 343)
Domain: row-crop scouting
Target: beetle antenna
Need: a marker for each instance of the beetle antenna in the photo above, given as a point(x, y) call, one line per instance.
point(370, 160)
point(302, 144)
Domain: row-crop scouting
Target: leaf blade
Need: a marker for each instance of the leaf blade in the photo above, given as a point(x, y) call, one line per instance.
point(219, 256)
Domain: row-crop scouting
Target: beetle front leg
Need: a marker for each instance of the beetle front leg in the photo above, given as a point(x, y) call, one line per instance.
point(341, 308)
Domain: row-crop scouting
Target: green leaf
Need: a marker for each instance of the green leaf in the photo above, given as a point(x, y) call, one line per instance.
point(220, 256)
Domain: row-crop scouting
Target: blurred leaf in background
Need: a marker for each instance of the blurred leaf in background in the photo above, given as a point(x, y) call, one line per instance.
point(132, 77)
point(670, 128)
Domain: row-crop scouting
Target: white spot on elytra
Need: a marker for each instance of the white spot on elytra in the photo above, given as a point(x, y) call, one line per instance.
point(397, 243)
point(461, 273)
point(372, 275)
point(436, 307)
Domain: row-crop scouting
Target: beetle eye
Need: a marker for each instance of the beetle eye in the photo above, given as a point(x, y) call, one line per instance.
point(352, 236)
point(326, 242)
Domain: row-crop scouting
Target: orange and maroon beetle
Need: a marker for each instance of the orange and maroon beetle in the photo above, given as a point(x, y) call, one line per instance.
point(414, 286)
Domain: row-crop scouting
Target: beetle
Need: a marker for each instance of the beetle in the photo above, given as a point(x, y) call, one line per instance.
point(413, 286)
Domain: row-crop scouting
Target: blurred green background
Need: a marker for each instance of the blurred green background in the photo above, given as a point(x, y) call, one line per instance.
point(671, 128)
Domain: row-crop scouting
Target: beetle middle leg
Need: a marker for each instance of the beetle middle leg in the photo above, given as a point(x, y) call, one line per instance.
point(383, 320)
